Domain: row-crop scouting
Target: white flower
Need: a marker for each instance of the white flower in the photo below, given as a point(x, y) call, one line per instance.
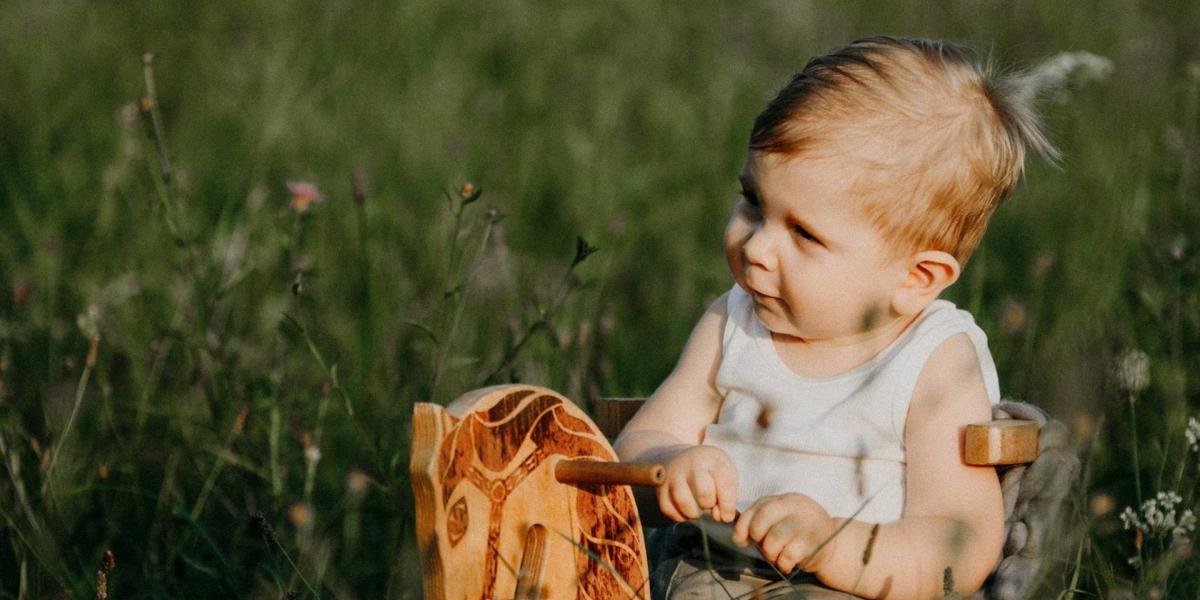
point(1133, 371)
point(1129, 518)
point(1187, 524)
point(1192, 433)
point(1158, 518)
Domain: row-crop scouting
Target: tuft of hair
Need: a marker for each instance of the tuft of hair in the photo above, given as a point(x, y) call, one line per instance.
point(940, 138)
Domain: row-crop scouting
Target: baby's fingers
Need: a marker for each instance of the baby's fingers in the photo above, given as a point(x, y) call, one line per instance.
point(666, 504)
point(727, 489)
point(679, 495)
point(704, 490)
point(741, 527)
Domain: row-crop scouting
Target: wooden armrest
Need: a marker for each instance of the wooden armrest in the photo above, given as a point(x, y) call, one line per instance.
point(995, 443)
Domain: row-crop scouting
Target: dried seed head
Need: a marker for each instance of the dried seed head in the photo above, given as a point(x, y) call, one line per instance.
point(239, 423)
point(93, 350)
point(110, 562)
point(259, 521)
point(1133, 371)
point(102, 472)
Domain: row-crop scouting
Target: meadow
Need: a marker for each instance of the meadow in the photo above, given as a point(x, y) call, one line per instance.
point(239, 240)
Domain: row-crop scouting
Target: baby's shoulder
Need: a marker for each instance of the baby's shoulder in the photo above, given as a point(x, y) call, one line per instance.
point(953, 378)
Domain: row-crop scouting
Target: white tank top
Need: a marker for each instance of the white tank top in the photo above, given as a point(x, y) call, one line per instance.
point(839, 440)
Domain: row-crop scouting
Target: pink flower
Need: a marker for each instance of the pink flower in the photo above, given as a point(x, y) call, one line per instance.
point(304, 193)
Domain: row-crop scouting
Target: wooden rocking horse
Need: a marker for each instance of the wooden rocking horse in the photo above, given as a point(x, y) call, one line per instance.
point(519, 495)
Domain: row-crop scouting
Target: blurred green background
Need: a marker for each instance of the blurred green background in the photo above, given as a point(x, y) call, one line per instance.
point(623, 123)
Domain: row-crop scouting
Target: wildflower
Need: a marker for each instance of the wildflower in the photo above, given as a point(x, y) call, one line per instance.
point(89, 320)
point(1133, 371)
point(300, 514)
point(1013, 317)
point(1100, 505)
point(357, 482)
point(1192, 433)
point(1158, 519)
point(1042, 265)
point(1178, 249)
point(304, 194)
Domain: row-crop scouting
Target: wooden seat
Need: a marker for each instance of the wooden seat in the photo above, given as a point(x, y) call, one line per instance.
point(519, 495)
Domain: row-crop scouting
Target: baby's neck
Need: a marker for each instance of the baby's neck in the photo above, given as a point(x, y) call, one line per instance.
point(832, 357)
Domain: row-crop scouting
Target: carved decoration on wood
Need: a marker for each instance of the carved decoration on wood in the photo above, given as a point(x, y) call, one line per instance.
point(483, 474)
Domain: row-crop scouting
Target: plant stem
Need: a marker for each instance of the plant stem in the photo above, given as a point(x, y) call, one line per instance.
point(162, 182)
point(1137, 474)
point(79, 390)
point(444, 346)
point(542, 321)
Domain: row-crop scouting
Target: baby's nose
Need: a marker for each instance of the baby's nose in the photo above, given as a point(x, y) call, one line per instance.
point(758, 250)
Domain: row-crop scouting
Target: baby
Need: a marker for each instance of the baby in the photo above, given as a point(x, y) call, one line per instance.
point(818, 406)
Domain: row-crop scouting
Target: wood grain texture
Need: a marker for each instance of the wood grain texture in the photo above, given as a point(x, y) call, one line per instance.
point(613, 413)
point(609, 473)
point(483, 476)
point(1002, 442)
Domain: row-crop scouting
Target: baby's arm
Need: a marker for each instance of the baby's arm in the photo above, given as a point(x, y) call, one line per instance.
point(669, 429)
point(953, 512)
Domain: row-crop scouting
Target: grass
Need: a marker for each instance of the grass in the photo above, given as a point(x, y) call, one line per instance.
point(251, 359)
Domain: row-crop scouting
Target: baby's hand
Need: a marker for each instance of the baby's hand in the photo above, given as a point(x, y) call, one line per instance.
point(788, 529)
point(699, 479)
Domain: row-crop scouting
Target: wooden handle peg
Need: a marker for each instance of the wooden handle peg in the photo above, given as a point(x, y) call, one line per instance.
point(533, 565)
point(597, 472)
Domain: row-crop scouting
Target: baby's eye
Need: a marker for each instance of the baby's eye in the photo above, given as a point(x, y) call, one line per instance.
point(750, 198)
point(804, 234)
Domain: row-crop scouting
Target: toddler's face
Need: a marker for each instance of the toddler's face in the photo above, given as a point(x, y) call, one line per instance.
point(798, 243)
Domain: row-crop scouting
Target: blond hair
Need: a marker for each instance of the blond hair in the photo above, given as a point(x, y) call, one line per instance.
point(941, 137)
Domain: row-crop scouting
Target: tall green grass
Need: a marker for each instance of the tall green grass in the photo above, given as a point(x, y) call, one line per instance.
point(251, 360)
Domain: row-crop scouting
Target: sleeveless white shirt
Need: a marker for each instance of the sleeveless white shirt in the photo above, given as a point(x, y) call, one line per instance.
point(839, 440)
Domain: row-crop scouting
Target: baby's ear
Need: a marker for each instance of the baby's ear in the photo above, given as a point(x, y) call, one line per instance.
point(929, 272)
